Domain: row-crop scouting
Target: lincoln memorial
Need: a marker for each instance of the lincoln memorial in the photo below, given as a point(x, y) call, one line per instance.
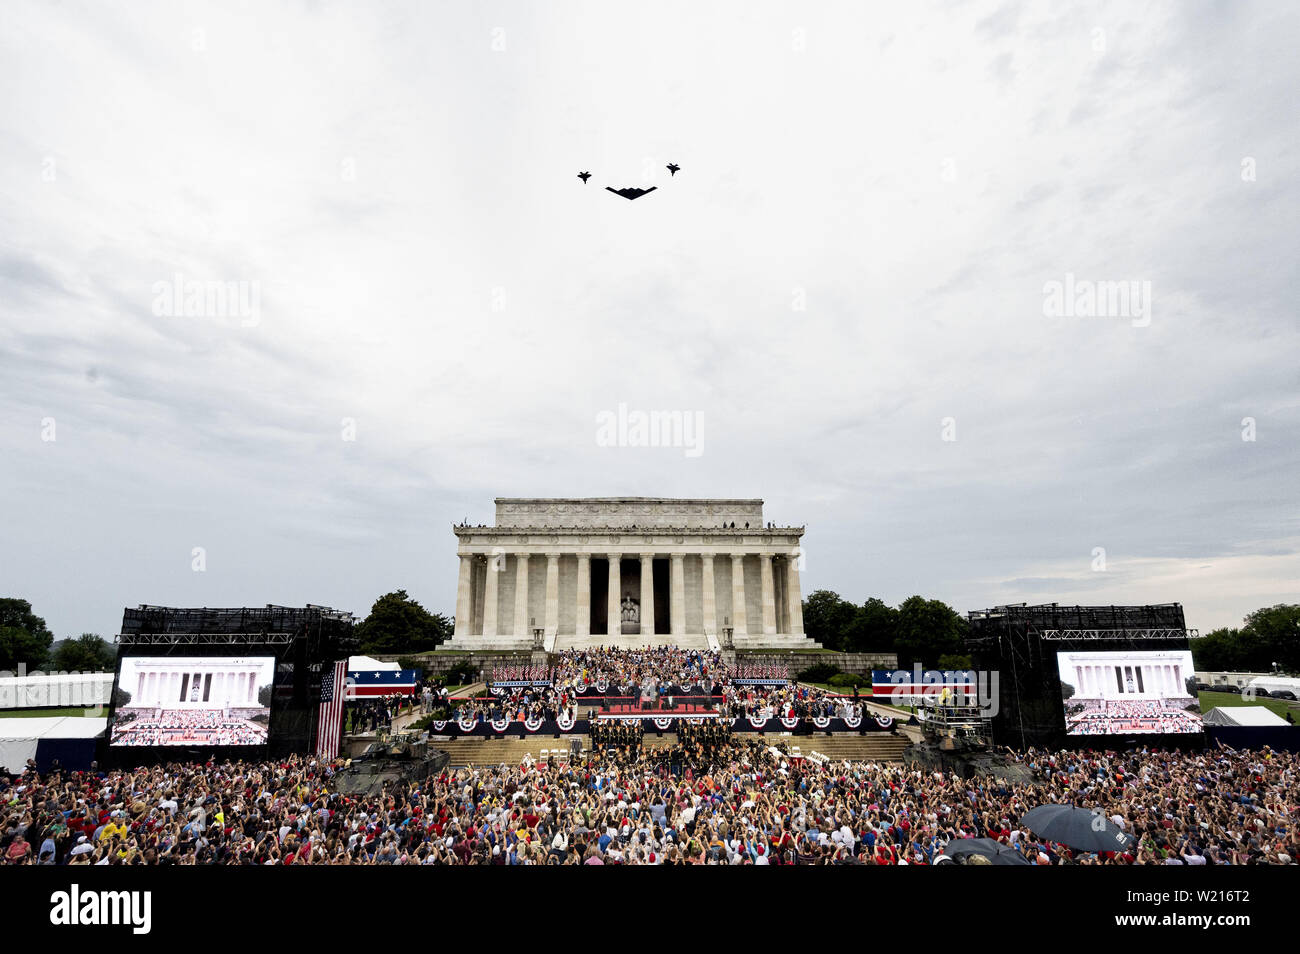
point(556, 573)
point(1131, 674)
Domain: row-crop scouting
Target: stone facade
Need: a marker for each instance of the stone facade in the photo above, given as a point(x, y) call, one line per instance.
point(628, 571)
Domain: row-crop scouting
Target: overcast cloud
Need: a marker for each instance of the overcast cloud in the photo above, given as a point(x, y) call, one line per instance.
point(870, 204)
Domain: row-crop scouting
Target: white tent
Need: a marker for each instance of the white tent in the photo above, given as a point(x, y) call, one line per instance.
point(35, 690)
point(1274, 683)
point(1243, 715)
point(19, 737)
point(367, 664)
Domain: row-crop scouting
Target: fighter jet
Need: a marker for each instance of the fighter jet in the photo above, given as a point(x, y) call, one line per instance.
point(672, 168)
point(584, 176)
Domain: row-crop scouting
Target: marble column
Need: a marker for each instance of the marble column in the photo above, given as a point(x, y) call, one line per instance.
point(677, 593)
point(769, 594)
point(647, 594)
point(495, 567)
point(463, 602)
point(794, 595)
point(738, 621)
point(709, 597)
point(552, 594)
point(582, 625)
point(614, 620)
point(521, 596)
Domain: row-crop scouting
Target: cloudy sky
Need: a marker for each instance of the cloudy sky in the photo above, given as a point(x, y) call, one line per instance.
point(845, 286)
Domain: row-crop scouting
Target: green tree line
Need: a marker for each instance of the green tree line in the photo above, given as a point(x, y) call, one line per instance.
point(25, 640)
point(1269, 636)
point(929, 632)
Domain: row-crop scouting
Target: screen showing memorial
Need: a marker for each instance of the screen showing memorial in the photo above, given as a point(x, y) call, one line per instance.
point(196, 700)
point(1130, 692)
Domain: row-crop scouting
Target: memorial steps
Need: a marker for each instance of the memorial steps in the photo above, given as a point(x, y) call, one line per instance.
point(874, 747)
point(796, 643)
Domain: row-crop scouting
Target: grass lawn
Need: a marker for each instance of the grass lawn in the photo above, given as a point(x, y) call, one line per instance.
point(46, 713)
point(1210, 700)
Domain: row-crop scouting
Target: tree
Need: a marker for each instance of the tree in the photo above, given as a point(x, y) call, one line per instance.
point(827, 618)
point(398, 624)
point(1271, 635)
point(873, 629)
point(87, 653)
point(1274, 636)
point(1217, 651)
point(24, 637)
point(927, 629)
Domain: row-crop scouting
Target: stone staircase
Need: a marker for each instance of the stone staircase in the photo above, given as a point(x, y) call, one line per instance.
point(872, 747)
point(494, 751)
point(779, 641)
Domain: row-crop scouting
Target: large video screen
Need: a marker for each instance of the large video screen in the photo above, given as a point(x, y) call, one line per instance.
point(1132, 692)
point(193, 700)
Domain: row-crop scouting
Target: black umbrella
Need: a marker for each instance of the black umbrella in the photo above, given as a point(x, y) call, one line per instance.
point(1077, 828)
point(996, 852)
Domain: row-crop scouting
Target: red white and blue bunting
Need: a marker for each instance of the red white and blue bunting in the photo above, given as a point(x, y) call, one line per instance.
point(466, 725)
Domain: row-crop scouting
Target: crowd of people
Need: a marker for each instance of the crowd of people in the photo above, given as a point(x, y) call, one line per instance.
point(626, 671)
point(698, 740)
point(786, 702)
point(518, 704)
point(371, 713)
point(622, 734)
point(649, 678)
point(187, 727)
point(706, 801)
point(1110, 716)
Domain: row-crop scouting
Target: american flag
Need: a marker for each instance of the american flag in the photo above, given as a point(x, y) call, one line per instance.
point(329, 722)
